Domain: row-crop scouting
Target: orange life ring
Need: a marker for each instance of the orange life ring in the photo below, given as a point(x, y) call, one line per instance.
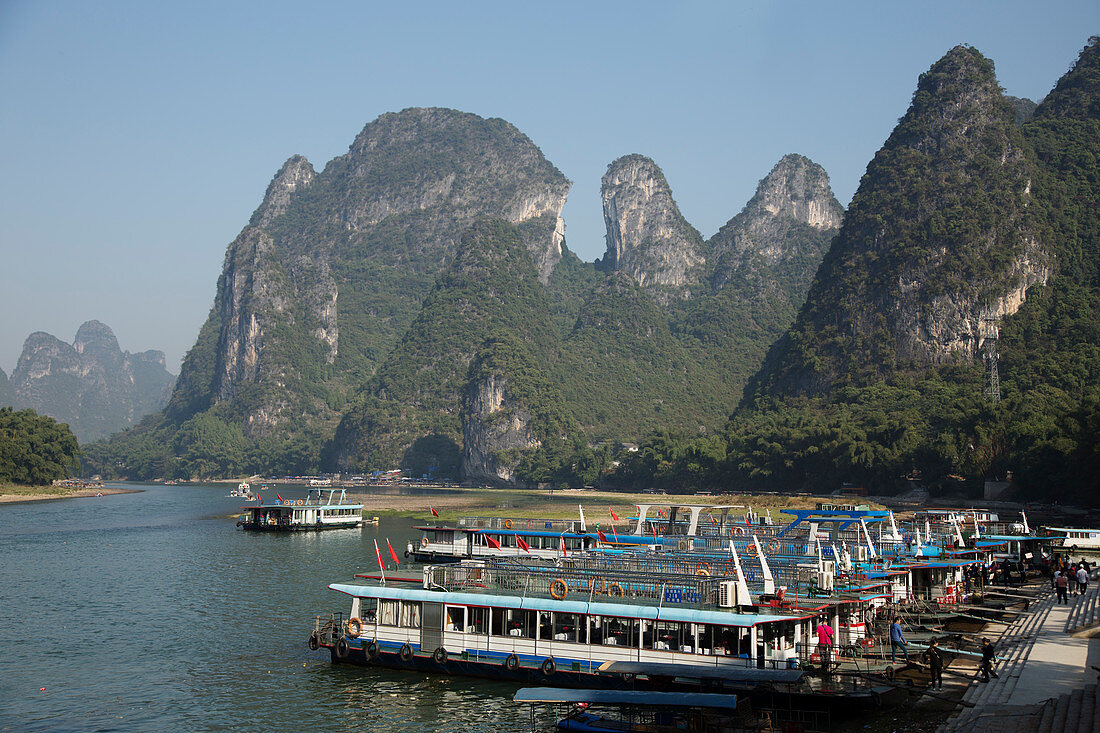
point(614, 587)
point(702, 569)
point(739, 531)
point(355, 627)
point(773, 546)
point(750, 548)
point(558, 589)
point(507, 523)
point(530, 524)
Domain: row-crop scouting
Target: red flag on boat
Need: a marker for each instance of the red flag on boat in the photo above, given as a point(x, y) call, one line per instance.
point(563, 551)
point(601, 535)
point(521, 543)
point(614, 534)
point(654, 528)
point(378, 554)
point(433, 511)
point(613, 516)
point(392, 553)
point(280, 498)
point(494, 543)
point(747, 518)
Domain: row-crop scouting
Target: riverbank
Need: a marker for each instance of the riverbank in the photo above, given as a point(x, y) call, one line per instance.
point(11, 493)
point(455, 502)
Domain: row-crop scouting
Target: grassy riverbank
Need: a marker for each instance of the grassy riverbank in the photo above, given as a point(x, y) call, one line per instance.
point(14, 492)
point(558, 504)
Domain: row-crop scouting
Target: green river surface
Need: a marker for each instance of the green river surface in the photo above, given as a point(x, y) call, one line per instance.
point(150, 611)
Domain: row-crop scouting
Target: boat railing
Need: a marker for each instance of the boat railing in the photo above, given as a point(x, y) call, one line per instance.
point(509, 523)
point(329, 627)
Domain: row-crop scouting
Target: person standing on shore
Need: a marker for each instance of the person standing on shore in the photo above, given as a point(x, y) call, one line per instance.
point(935, 662)
point(897, 641)
point(1061, 583)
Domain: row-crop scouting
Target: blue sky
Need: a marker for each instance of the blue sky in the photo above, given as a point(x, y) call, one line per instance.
point(137, 138)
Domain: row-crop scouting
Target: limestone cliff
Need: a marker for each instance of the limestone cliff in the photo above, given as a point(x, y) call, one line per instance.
point(647, 237)
point(510, 412)
point(92, 384)
point(938, 244)
point(7, 396)
point(333, 266)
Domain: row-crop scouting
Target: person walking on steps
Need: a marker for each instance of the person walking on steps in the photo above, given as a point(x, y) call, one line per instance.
point(897, 641)
point(987, 661)
point(1061, 584)
point(1082, 580)
point(935, 662)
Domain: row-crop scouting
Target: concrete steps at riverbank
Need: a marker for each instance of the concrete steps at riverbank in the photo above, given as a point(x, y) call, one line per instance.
point(1013, 646)
point(1084, 615)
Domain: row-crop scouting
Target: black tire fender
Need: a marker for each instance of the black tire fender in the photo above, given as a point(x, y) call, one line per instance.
point(406, 652)
point(511, 661)
point(549, 667)
point(342, 649)
point(314, 642)
point(371, 649)
point(440, 656)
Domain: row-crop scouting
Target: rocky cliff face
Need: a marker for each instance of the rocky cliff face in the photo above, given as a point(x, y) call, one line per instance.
point(7, 396)
point(92, 385)
point(793, 207)
point(332, 267)
point(939, 241)
point(647, 237)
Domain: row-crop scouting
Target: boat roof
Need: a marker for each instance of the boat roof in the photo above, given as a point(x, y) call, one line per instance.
point(641, 698)
point(520, 532)
point(594, 608)
point(702, 671)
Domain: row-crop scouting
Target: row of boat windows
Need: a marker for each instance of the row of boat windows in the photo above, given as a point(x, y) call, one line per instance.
point(509, 540)
point(584, 628)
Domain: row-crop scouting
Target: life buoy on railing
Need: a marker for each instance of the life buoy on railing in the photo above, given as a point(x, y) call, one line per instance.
point(750, 548)
point(773, 546)
point(558, 589)
point(511, 661)
point(507, 523)
point(300, 502)
point(614, 589)
point(548, 666)
point(702, 569)
point(739, 531)
point(530, 524)
point(424, 542)
point(355, 627)
point(440, 656)
point(406, 652)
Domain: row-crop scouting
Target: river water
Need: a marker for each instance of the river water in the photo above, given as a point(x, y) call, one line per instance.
point(150, 611)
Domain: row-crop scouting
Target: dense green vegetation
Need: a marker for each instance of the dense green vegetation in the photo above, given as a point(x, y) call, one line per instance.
point(35, 449)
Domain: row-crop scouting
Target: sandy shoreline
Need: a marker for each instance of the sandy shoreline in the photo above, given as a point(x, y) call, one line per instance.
point(16, 494)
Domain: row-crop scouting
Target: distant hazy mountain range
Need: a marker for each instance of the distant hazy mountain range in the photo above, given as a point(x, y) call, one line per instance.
point(91, 384)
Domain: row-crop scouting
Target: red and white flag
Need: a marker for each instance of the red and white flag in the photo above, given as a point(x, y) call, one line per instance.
point(393, 554)
point(521, 543)
point(378, 554)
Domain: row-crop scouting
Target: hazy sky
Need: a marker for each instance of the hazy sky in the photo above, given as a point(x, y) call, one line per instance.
point(137, 138)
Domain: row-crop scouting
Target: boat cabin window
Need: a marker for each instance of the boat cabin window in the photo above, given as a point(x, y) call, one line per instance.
point(514, 622)
point(478, 621)
point(404, 614)
point(670, 635)
point(729, 640)
point(571, 543)
point(438, 536)
point(615, 631)
point(456, 618)
point(365, 609)
point(566, 627)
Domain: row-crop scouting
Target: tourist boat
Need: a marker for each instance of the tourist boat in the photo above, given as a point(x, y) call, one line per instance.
point(243, 491)
point(601, 639)
point(316, 511)
point(1075, 538)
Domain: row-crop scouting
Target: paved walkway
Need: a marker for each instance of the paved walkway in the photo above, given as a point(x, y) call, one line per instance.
point(1058, 663)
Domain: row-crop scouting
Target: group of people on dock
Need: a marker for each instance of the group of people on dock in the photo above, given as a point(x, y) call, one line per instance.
point(1070, 580)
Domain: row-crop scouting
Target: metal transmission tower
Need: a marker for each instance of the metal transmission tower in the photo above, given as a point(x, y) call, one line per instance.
point(989, 343)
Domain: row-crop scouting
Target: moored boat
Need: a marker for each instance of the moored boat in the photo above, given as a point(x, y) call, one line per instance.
point(315, 512)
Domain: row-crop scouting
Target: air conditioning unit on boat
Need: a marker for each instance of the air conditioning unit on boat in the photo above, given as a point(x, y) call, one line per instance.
point(825, 581)
point(859, 553)
point(727, 594)
point(683, 545)
point(828, 566)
